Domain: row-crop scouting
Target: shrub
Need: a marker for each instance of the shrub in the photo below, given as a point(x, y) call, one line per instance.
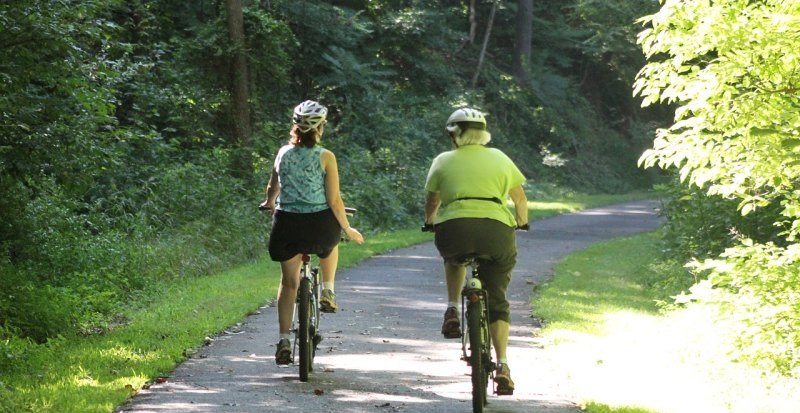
point(760, 286)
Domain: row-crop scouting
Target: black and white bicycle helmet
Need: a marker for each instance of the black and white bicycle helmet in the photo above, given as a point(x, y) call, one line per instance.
point(473, 118)
point(309, 115)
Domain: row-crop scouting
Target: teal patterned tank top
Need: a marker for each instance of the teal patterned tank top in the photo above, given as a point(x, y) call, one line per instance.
point(301, 178)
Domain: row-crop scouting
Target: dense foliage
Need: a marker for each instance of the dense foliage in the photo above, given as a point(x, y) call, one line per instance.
point(116, 154)
point(730, 68)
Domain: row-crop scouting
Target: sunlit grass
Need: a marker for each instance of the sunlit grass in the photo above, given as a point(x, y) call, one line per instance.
point(549, 201)
point(624, 355)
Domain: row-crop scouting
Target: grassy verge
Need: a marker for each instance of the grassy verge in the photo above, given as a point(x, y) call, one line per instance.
point(95, 374)
point(621, 353)
point(98, 373)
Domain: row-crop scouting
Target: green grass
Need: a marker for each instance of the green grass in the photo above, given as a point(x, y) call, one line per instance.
point(621, 353)
point(98, 373)
point(594, 283)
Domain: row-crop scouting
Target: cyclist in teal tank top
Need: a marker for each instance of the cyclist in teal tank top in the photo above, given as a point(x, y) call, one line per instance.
point(301, 179)
point(466, 193)
point(308, 215)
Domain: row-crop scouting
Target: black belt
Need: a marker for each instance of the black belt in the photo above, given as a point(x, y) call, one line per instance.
point(495, 200)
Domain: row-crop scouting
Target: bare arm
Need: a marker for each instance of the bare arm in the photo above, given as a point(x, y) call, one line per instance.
point(334, 197)
point(432, 202)
point(520, 204)
point(272, 191)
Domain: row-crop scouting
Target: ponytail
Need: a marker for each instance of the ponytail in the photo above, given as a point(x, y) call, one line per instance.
point(306, 139)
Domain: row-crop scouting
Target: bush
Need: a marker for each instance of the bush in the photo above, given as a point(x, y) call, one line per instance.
point(700, 225)
point(759, 284)
point(72, 276)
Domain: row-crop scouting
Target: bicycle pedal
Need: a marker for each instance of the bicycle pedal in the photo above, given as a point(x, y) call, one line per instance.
point(317, 339)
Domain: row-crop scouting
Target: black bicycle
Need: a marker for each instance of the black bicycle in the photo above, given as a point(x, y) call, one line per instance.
point(476, 342)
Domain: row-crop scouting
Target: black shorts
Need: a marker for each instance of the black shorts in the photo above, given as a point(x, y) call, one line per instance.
point(491, 239)
point(315, 233)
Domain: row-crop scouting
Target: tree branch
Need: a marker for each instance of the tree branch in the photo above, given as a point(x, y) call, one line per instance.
point(485, 43)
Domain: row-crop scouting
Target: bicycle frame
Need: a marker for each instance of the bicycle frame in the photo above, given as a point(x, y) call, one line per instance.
point(306, 317)
point(474, 298)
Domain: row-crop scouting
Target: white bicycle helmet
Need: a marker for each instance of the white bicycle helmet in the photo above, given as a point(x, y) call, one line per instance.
point(309, 115)
point(473, 117)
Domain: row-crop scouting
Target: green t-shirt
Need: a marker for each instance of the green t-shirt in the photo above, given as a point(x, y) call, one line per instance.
point(474, 171)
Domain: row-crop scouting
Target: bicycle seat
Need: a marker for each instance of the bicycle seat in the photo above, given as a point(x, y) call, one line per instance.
point(468, 259)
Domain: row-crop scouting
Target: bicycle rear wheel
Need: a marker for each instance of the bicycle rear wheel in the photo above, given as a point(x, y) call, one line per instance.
point(477, 342)
point(305, 334)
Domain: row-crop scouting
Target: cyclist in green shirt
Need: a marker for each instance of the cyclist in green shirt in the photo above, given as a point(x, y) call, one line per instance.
point(467, 189)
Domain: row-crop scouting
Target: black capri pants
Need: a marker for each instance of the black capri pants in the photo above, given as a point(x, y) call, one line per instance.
point(316, 233)
point(457, 238)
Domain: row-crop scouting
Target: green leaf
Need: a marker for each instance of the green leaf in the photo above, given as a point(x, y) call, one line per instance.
point(756, 131)
point(748, 208)
point(790, 144)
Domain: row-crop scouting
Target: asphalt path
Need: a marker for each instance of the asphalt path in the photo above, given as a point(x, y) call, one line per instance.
point(382, 352)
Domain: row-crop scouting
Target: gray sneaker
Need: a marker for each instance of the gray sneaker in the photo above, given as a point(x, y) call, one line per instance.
point(502, 378)
point(327, 302)
point(451, 327)
point(283, 355)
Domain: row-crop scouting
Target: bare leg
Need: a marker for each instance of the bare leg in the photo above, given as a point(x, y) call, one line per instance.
point(287, 292)
point(328, 265)
point(500, 331)
point(454, 277)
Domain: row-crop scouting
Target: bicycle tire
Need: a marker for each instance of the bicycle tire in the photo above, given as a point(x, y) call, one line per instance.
point(477, 342)
point(305, 339)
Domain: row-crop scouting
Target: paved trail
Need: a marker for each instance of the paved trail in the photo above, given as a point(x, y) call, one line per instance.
point(382, 352)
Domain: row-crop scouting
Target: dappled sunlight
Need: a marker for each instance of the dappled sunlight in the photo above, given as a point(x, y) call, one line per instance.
point(389, 343)
point(523, 340)
point(248, 359)
point(124, 352)
point(406, 258)
point(606, 212)
point(356, 396)
point(622, 369)
point(655, 362)
point(193, 389)
point(392, 361)
point(177, 407)
point(556, 207)
point(598, 212)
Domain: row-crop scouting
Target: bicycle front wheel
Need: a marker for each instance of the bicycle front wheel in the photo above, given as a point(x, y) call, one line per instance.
point(477, 342)
point(305, 336)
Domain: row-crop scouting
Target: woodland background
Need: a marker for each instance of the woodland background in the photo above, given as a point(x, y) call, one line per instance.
point(136, 136)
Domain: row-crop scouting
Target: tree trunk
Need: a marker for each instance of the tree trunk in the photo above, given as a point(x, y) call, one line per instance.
point(522, 50)
point(485, 43)
point(241, 139)
point(473, 24)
